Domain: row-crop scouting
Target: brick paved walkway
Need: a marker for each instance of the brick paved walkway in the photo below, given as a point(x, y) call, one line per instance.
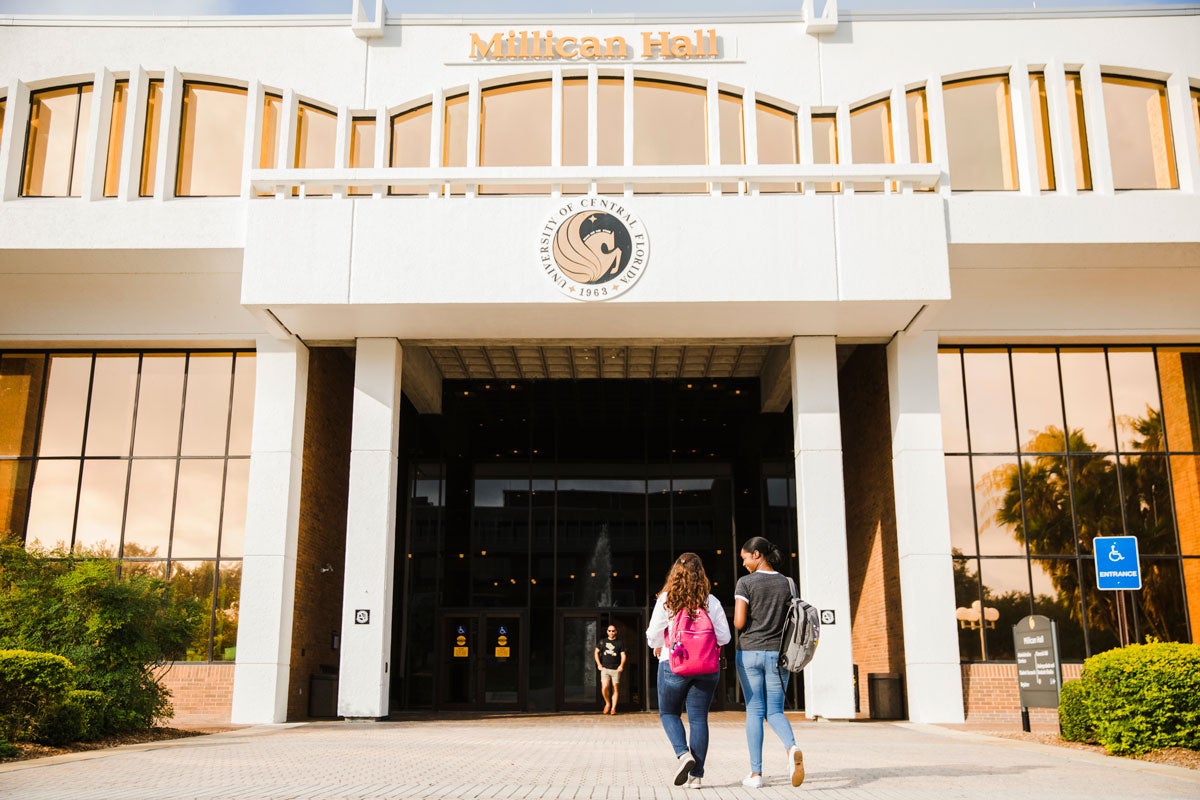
point(582, 757)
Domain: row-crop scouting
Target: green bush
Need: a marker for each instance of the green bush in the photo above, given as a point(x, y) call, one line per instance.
point(1073, 718)
point(1145, 697)
point(81, 717)
point(115, 630)
point(32, 685)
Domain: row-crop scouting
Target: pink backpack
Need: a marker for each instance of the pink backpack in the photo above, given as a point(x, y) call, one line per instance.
point(693, 644)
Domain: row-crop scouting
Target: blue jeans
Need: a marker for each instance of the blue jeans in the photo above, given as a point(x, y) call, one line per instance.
point(763, 688)
point(695, 692)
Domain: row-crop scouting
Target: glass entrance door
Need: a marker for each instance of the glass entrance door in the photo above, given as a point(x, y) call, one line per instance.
point(580, 631)
point(483, 655)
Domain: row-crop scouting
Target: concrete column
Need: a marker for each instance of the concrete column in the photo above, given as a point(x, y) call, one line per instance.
point(933, 676)
point(260, 680)
point(821, 517)
point(370, 531)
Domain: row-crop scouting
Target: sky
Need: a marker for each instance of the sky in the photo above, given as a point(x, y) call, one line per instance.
point(230, 7)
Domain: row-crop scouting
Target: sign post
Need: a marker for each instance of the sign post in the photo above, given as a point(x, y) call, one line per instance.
point(1118, 569)
point(1039, 674)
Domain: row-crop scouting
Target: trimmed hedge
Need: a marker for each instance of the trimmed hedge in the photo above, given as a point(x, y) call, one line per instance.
point(1138, 698)
point(83, 716)
point(1073, 718)
point(32, 686)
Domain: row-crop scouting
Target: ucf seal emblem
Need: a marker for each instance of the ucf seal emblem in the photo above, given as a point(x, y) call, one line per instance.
point(593, 248)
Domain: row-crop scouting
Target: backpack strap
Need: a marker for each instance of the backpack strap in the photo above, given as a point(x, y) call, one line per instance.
point(792, 584)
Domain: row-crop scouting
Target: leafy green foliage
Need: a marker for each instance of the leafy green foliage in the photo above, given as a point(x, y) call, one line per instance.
point(1144, 697)
point(6, 749)
point(1073, 717)
point(32, 685)
point(115, 630)
point(81, 717)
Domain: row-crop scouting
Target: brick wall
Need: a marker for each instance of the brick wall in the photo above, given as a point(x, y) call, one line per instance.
point(992, 696)
point(877, 635)
point(321, 541)
point(202, 694)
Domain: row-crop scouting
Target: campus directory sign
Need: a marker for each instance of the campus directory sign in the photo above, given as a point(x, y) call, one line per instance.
point(1039, 674)
point(1117, 563)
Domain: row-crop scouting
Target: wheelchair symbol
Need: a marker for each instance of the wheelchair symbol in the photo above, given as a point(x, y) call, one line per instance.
point(1114, 554)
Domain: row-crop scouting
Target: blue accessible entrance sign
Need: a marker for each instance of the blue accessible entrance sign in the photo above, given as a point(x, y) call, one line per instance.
point(1117, 563)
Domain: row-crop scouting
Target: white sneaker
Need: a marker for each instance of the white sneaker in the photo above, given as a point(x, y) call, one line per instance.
point(752, 781)
point(683, 768)
point(796, 765)
point(693, 783)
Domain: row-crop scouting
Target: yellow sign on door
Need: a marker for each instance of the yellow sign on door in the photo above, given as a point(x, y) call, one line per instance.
point(501, 652)
point(461, 652)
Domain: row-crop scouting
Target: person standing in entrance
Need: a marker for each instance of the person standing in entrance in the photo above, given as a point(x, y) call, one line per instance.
point(610, 660)
point(761, 601)
point(685, 591)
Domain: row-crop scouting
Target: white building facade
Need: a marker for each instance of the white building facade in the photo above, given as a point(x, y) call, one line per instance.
point(419, 348)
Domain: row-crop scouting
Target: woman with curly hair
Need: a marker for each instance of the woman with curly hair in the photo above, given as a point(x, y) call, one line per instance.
point(686, 590)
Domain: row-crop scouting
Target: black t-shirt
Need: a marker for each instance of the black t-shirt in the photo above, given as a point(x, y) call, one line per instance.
point(610, 653)
point(767, 596)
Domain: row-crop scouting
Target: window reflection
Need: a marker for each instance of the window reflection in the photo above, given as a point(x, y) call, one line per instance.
point(150, 137)
point(969, 609)
point(979, 134)
point(193, 580)
point(1047, 523)
point(1139, 133)
point(1147, 492)
point(160, 401)
point(411, 132)
point(110, 414)
point(514, 131)
point(52, 504)
point(959, 492)
point(101, 502)
point(151, 498)
point(670, 126)
point(66, 405)
point(241, 419)
point(233, 517)
point(825, 146)
point(14, 498)
point(316, 141)
point(1041, 131)
point(871, 138)
point(1056, 596)
point(1006, 593)
point(225, 619)
point(1085, 391)
point(989, 401)
point(1135, 400)
point(998, 506)
point(950, 395)
point(362, 149)
point(1079, 143)
point(778, 141)
point(198, 508)
point(116, 138)
point(211, 141)
point(206, 405)
point(1039, 401)
point(20, 398)
point(57, 140)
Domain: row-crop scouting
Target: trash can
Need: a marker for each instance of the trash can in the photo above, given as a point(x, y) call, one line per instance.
point(885, 695)
point(322, 695)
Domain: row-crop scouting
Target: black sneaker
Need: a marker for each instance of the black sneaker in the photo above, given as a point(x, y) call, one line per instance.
point(683, 767)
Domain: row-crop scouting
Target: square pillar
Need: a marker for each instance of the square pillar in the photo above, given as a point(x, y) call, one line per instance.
point(260, 679)
point(370, 531)
point(933, 674)
point(821, 518)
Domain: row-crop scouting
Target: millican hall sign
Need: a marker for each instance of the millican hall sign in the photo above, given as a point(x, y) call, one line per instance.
point(535, 45)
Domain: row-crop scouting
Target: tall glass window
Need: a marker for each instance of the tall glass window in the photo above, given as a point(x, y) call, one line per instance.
point(575, 128)
point(670, 126)
point(316, 140)
point(454, 136)
point(362, 148)
point(1047, 448)
point(514, 131)
point(268, 134)
point(1041, 130)
point(211, 141)
point(57, 141)
point(150, 137)
point(871, 138)
point(916, 106)
point(733, 141)
point(411, 132)
point(825, 146)
point(136, 456)
point(116, 138)
point(778, 141)
point(1139, 133)
point(1079, 142)
point(979, 134)
point(3, 108)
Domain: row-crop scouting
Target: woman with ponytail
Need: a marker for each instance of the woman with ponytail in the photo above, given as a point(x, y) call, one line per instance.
point(686, 591)
point(761, 601)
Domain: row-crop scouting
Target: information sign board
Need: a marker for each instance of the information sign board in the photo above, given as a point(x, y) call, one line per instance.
point(1117, 563)
point(1039, 674)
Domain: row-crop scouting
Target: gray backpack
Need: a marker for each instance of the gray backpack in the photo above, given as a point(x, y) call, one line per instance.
point(801, 633)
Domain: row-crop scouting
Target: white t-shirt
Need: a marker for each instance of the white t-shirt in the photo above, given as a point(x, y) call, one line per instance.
point(660, 621)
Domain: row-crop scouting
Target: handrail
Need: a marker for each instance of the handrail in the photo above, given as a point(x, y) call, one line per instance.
point(918, 176)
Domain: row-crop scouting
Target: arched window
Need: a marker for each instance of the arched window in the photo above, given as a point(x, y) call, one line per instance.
point(362, 148)
point(316, 140)
point(825, 146)
point(670, 126)
point(979, 134)
point(212, 140)
point(150, 137)
point(1041, 131)
point(57, 140)
point(778, 141)
point(454, 136)
point(1139, 133)
point(514, 131)
point(411, 131)
point(1079, 143)
point(871, 138)
point(733, 134)
point(116, 138)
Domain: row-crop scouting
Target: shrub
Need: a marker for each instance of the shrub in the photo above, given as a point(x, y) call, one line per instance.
point(115, 630)
point(32, 685)
point(1145, 697)
point(1073, 716)
point(81, 717)
point(6, 749)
